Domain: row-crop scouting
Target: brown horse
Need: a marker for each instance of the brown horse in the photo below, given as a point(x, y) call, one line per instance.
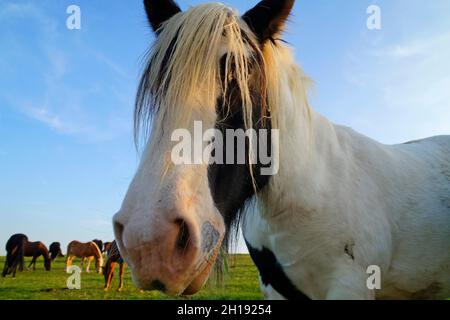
point(113, 257)
point(19, 247)
point(35, 250)
point(88, 250)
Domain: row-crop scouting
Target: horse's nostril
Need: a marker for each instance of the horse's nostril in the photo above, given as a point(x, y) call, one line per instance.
point(158, 285)
point(184, 236)
point(118, 231)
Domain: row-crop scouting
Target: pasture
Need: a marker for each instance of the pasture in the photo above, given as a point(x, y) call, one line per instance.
point(240, 283)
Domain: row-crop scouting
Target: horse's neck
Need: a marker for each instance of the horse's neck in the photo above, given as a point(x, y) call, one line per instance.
point(98, 255)
point(44, 252)
point(308, 144)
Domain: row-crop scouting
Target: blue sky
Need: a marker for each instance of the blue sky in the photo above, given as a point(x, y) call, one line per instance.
point(66, 96)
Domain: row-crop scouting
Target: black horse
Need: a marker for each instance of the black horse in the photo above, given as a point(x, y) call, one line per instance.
point(99, 244)
point(55, 250)
point(15, 251)
point(19, 247)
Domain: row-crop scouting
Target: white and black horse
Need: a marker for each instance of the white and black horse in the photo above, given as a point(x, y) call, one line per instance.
point(338, 203)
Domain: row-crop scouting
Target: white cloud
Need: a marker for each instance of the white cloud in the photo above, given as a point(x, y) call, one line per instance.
point(62, 105)
point(415, 47)
point(11, 11)
point(45, 116)
point(110, 63)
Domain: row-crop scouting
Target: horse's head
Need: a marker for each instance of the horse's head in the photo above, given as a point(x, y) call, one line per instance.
point(99, 244)
point(99, 266)
point(55, 250)
point(97, 253)
point(47, 263)
point(206, 75)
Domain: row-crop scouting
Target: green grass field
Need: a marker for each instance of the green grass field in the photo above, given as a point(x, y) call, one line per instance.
point(240, 282)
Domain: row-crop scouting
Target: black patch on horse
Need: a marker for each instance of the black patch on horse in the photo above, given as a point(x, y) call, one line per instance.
point(272, 273)
point(232, 184)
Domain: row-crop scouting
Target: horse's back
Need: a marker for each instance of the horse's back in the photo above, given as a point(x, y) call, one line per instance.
point(430, 172)
point(35, 248)
point(424, 232)
point(442, 141)
point(15, 240)
point(409, 191)
point(435, 151)
point(73, 248)
point(80, 249)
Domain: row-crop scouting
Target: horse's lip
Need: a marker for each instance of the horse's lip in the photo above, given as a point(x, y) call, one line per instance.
point(204, 271)
point(197, 274)
point(195, 285)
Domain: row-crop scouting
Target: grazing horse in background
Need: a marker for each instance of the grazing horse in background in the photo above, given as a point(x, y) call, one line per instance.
point(106, 246)
point(19, 247)
point(35, 250)
point(339, 204)
point(99, 244)
point(88, 250)
point(112, 258)
point(15, 252)
point(55, 250)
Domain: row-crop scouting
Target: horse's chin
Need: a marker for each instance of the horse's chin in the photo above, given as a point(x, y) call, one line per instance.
point(187, 284)
point(199, 281)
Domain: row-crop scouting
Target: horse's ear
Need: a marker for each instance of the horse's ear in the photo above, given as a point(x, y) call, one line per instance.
point(268, 17)
point(159, 11)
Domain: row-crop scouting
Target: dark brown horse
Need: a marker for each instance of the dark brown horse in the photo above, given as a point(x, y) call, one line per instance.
point(19, 247)
point(112, 258)
point(106, 246)
point(35, 250)
point(15, 249)
point(55, 250)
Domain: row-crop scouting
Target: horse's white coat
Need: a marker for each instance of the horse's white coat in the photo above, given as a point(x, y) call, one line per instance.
point(337, 189)
point(340, 202)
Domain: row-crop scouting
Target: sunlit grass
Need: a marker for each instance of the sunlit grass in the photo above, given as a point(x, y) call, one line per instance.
point(240, 282)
